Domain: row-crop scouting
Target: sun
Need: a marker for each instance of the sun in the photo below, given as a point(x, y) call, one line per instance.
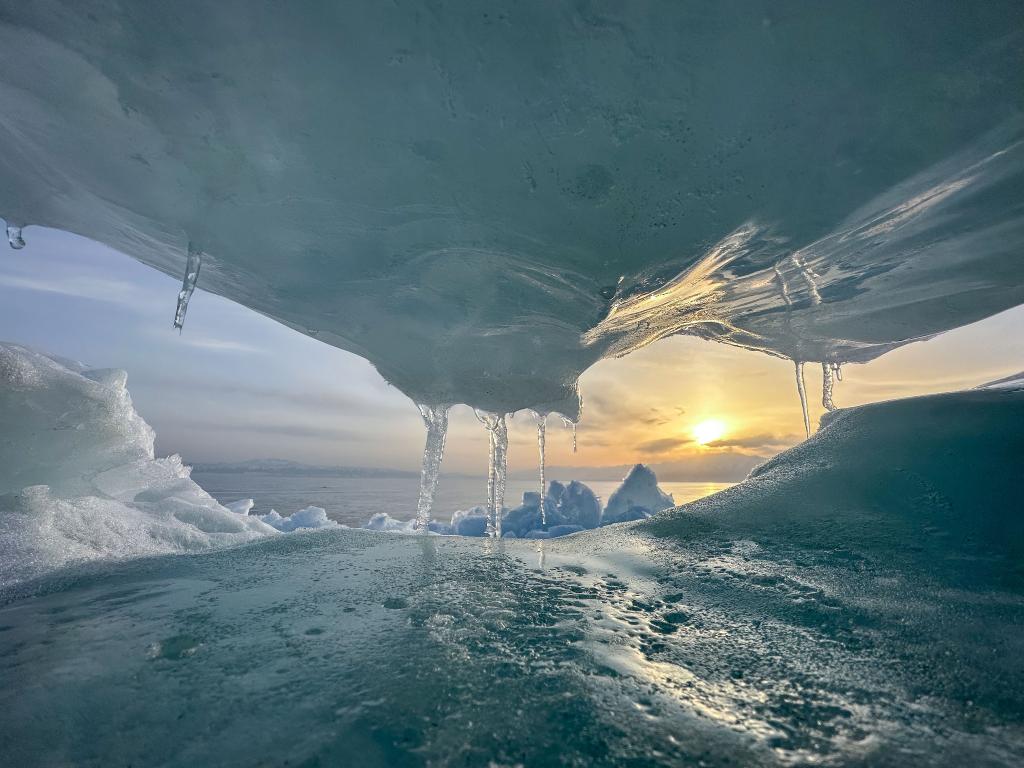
point(708, 431)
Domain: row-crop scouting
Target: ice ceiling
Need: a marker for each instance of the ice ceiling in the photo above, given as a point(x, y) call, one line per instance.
point(483, 199)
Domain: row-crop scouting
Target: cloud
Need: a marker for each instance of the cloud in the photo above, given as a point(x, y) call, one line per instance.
point(319, 401)
point(764, 440)
point(92, 288)
point(278, 430)
point(219, 345)
point(663, 445)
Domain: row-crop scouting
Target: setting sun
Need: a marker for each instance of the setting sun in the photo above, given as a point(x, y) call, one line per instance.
point(708, 431)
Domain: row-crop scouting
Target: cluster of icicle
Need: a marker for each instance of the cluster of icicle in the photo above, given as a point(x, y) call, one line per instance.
point(435, 418)
point(831, 372)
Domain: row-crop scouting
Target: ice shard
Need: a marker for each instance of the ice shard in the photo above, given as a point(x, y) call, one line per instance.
point(497, 465)
point(542, 425)
point(188, 284)
point(435, 418)
point(827, 386)
point(801, 389)
point(15, 238)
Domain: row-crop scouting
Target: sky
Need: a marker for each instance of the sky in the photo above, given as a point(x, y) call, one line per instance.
point(236, 385)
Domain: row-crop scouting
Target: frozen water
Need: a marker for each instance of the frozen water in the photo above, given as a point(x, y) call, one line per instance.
point(827, 386)
point(188, 284)
point(483, 228)
point(78, 478)
point(542, 427)
point(639, 497)
point(778, 623)
point(435, 418)
point(497, 467)
point(309, 517)
point(801, 390)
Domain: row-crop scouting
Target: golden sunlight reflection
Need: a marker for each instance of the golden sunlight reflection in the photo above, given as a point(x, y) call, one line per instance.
point(708, 431)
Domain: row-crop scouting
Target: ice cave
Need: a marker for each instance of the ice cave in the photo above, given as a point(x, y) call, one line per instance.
point(472, 206)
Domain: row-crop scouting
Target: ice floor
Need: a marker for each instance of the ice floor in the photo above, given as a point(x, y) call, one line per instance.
point(858, 602)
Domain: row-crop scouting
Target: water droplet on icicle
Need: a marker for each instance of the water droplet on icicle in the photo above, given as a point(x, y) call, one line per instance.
point(542, 427)
point(436, 420)
point(15, 238)
point(802, 391)
point(188, 284)
point(826, 387)
point(497, 467)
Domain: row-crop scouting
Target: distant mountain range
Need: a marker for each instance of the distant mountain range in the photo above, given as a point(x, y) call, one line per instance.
point(285, 467)
point(711, 467)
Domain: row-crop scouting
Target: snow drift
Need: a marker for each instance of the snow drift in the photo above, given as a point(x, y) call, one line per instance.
point(936, 479)
point(78, 477)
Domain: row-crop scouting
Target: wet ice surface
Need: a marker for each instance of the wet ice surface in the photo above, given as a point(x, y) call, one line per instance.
point(350, 647)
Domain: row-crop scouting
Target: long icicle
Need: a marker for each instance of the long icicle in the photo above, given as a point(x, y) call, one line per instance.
point(826, 387)
point(435, 417)
point(542, 427)
point(802, 391)
point(497, 466)
point(567, 422)
point(188, 284)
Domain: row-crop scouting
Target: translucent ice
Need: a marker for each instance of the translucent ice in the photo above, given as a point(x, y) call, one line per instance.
point(435, 418)
point(801, 390)
point(827, 385)
point(188, 284)
point(482, 247)
point(497, 466)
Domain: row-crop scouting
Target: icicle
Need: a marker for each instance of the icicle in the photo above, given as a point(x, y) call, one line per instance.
point(809, 276)
point(802, 390)
point(542, 428)
point(497, 466)
point(195, 259)
point(567, 422)
point(837, 369)
point(14, 237)
point(436, 420)
point(826, 387)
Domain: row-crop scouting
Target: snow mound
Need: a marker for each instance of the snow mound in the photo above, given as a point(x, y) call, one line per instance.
point(306, 518)
point(935, 478)
point(78, 478)
point(483, 228)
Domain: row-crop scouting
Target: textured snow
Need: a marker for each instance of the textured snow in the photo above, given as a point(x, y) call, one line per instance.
point(483, 204)
point(78, 478)
point(306, 518)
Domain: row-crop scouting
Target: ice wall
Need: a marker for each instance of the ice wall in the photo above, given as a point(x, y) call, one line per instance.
point(78, 478)
point(483, 202)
